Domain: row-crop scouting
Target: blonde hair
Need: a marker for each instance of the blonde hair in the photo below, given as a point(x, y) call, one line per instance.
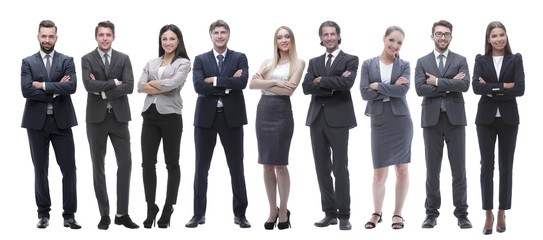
point(293, 56)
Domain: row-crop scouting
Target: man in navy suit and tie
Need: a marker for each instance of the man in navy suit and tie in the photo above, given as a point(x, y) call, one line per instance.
point(219, 77)
point(47, 80)
point(329, 80)
point(441, 77)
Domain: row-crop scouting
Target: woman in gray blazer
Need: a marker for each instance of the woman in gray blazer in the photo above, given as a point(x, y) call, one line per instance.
point(162, 80)
point(384, 83)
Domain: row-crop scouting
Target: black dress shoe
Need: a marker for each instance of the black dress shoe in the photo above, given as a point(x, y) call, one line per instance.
point(43, 223)
point(195, 221)
point(326, 221)
point(104, 223)
point(242, 222)
point(463, 222)
point(344, 224)
point(429, 222)
point(126, 221)
point(71, 223)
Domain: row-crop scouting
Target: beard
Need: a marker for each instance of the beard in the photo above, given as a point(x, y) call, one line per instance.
point(442, 49)
point(47, 49)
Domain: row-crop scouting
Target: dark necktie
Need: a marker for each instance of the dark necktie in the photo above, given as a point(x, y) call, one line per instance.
point(106, 62)
point(441, 56)
point(48, 64)
point(440, 66)
point(220, 57)
point(328, 63)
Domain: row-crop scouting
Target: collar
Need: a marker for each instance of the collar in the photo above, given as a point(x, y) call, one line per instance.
point(436, 54)
point(217, 54)
point(42, 53)
point(102, 53)
point(334, 53)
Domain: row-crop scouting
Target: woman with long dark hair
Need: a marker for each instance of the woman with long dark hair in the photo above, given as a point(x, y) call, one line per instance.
point(162, 80)
point(498, 76)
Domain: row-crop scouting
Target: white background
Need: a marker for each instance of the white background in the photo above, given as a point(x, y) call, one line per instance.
point(252, 26)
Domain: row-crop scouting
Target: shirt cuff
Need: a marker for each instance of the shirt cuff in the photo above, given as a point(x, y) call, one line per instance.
point(214, 81)
point(116, 82)
point(104, 95)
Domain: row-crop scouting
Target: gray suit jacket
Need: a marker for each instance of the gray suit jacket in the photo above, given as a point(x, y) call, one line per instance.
point(120, 68)
point(370, 73)
point(172, 80)
point(454, 101)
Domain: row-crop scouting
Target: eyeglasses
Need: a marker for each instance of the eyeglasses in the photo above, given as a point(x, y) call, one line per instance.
point(442, 34)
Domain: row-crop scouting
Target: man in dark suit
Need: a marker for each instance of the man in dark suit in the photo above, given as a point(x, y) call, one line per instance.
point(108, 79)
point(440, 78)
point(47, 80)
point(329, 79)
point(219, 77)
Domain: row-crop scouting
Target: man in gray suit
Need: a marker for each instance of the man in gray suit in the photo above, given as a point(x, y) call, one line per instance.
point(108, 78)
point(440, 78)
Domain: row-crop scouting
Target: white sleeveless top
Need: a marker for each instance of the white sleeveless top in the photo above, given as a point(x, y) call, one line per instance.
point(280, 73)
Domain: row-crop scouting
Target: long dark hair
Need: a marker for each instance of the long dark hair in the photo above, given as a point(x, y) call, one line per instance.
point(180, 51)
point(488, 46)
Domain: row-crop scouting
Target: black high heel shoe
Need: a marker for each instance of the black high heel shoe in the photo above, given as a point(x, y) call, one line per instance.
point(501, 229)
point(164, 221)
point(152, 211)
point(284, 225)
point(271, 225)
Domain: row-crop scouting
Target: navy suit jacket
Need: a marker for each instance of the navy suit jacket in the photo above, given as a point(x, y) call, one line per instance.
point(454, 100)
point(205, 66)
point(333, 93)
point(370, 73)
point(512, 71)
point(37, 100)
point(120, 68)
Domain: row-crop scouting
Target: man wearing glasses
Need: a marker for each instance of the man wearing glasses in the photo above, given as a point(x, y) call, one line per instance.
point(440, 78)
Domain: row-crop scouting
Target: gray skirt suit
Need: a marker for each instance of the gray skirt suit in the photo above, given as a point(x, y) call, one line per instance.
point(391, 124)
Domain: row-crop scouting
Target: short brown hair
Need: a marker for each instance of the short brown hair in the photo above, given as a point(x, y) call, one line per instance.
point(105, 24)
point(443, 23)
point(47, 24)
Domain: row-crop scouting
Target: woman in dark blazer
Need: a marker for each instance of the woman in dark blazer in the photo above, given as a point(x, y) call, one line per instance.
point(384, 83)
point(162, 80)
point(498, 76)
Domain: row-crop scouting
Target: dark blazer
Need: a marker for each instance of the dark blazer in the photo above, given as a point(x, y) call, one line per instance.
point(512, 71)
point(333, 92)
point(454, 100)
point(120, 68)
point(371, 72)
point(205, 66)
point(37, 100)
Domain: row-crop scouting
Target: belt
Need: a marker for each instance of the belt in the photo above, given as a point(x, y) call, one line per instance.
point(109, 110)
point(49, 112)
point(443, 110)
point(220, 109)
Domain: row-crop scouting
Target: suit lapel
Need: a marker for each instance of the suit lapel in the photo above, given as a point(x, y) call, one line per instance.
point(54, 64)
point(450, 59)
point(213, 62)
point(491, 69)
point(505, 64)
point(336, 62)
point(112, 62)
point(227, 61)
point(41, 65)
point(432, 59)
point(395, 71)
point(98, 59)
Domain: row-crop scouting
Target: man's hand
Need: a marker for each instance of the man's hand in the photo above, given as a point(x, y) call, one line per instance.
point(431, 79)
point(38, 85)
point(460, 75)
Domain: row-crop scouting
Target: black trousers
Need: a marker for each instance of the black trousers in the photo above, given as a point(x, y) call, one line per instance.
point(97, 134)
point(507, 140)
point(330, 151)
point(168, 128)
point(63, 144)
point(232, 142)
